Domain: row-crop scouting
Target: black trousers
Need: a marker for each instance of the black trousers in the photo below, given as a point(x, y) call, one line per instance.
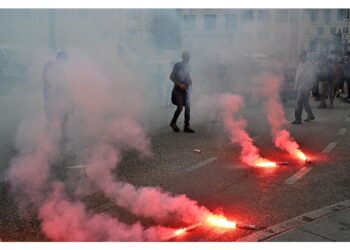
point(181, 99)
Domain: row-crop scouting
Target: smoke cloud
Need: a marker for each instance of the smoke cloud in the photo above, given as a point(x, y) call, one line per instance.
point(270, 88)
point(100, 128)
point(65, 220)
point(227, 106)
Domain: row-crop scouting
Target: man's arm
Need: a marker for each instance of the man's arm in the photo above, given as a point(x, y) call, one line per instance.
point(175, 81)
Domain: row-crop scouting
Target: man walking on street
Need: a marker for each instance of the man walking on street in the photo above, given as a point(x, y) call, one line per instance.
point(181, 92)
point(304, 81)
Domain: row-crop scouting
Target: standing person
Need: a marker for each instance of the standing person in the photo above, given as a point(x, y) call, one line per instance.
point(339, 71)
point(323, 78)
point(181, 92)
point(332, 81)
point(304, 80)
point(347, 74)
point(57, 103)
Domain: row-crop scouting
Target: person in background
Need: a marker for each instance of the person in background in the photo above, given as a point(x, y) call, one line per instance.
point(323, 78)
point(339, 69)
point(181, 91)
point(347, 74)
point(57, 103)
point(304, 80)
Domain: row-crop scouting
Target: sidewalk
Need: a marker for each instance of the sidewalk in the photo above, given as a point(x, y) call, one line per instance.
point(331, 223)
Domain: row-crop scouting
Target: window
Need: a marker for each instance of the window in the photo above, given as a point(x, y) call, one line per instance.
point(313, 15)
point(340, 15)
point(263, 15)
point(281, 16)
point(210, 22)
point(345, 30)
point(327, 15)
point(313, 46)
point(189, 22)
point(319, 31)
point(346, 14)
point(230, 21)
point(293, 18)
point(247, 16)
point(134, 14)
point(333, 30)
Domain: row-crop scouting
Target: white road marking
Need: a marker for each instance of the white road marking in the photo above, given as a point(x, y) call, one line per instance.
point(200, 164)
point(342, 131)
point(329, 147)
point(77, 166)
point(303, 171)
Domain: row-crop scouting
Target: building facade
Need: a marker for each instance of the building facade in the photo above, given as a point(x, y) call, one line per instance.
point(143, 36)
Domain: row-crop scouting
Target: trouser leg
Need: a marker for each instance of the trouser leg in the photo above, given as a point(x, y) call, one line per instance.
point(348, 85)
point(323, 93)
point(307, 105)
point(187, 110)
point(176, 114)
point(299, 106)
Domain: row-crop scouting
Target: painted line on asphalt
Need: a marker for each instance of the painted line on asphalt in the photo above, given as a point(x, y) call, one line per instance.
point(77, 166)
point(342, 131)
point(303, 171)
point(329, 147)
point(200, 164)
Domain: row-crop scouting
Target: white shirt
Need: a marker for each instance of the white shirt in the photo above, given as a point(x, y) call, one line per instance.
point(305, 76)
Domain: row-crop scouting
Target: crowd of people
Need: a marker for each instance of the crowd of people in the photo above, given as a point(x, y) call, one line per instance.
point(325, 79)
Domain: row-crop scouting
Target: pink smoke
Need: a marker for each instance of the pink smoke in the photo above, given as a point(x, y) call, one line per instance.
point(104, 127)
point(270, 88)
point(29, 171)
point(65, 220)
point(111, 131)
point(227, 106)
point(151, 202)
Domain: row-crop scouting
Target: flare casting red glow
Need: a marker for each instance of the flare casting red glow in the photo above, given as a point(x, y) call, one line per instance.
point(265, 163)
point(220, 221)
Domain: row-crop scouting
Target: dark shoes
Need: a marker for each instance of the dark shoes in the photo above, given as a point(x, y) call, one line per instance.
point(174, 127)
point(296, 122)
point(187, 129)
point(309, 119)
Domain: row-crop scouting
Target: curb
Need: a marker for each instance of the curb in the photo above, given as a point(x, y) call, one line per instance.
point(277, 229)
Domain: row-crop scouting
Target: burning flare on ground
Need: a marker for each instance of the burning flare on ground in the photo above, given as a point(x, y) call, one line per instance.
point(229, 106)
point(265, 163)
point(220, 221)
point(270, 85)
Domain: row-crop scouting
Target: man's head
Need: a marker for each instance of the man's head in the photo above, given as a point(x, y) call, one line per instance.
point(303, 56)
point(62, 56)
point(186, 56)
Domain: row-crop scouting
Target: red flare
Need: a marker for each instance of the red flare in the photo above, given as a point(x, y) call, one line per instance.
point(265, 163)
point(180, 231)
point(301, 155)
point(220, 221)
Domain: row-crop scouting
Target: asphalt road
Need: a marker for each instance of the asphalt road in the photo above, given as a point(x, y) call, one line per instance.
point(216, 178)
